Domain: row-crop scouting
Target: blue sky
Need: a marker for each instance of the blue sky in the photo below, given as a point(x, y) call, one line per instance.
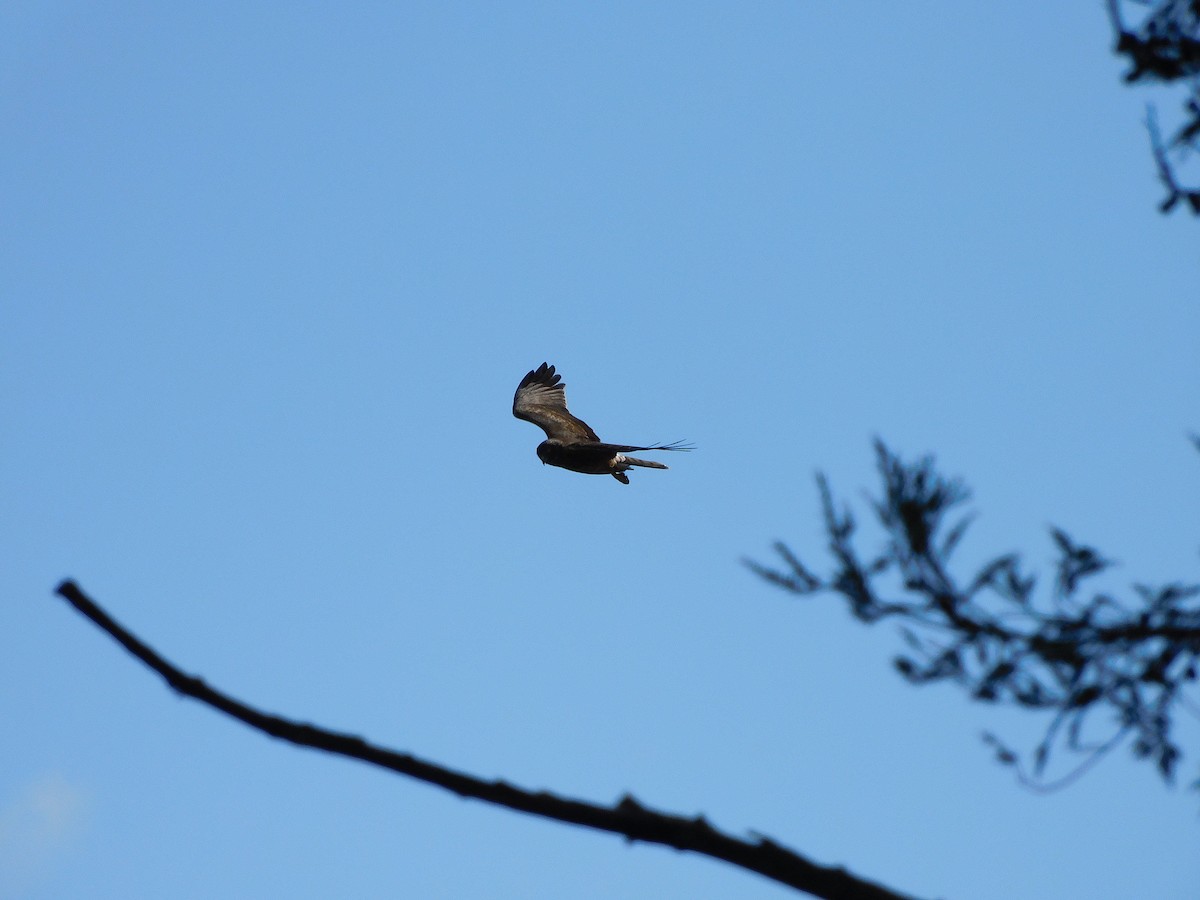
point(270, 276)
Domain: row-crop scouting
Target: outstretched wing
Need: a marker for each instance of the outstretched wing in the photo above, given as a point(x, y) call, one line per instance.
point(542, 400)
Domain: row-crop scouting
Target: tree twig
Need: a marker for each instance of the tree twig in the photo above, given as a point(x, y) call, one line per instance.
point(627, 817)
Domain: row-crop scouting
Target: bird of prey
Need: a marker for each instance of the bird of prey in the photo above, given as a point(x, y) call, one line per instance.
point(570, 443)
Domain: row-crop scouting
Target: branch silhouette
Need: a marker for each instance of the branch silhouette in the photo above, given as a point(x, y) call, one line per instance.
point(627, 817)
point(1164, 48)
point(1130, 665)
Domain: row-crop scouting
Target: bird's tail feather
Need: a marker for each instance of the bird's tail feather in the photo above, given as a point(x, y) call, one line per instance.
point(642, 462)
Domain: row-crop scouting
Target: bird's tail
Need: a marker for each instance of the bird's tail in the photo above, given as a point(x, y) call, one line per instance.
point(633, 461)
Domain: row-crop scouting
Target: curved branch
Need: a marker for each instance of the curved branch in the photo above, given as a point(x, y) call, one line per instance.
point(628, 817)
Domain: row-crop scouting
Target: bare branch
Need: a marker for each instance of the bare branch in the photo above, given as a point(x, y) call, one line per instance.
point(627, 817)
point(1165, 174)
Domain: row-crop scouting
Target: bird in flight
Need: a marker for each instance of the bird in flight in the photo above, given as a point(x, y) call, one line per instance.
point(570, 443)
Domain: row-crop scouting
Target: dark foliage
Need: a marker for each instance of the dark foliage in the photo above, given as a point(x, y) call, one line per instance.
point(1120, 668)
point(1165, 47)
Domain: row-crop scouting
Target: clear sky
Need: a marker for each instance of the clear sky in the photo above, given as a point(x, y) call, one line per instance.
point(269, 275)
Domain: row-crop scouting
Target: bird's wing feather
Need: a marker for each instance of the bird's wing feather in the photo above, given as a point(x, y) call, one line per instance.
point(629, 448)
point(542, 400)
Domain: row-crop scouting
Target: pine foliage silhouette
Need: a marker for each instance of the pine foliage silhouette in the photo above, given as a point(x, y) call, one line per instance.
point(1103, 670)
point(1164, 47)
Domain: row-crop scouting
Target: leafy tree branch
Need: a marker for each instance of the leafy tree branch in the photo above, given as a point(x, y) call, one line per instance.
point(628, 817)
point(1164, 47)
point(1125, 664)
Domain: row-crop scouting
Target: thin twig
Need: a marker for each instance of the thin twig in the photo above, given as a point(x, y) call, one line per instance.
point(1039, 786)
point(1165, 175)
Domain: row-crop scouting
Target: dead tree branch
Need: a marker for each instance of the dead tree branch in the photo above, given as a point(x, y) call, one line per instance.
point(627, 817)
